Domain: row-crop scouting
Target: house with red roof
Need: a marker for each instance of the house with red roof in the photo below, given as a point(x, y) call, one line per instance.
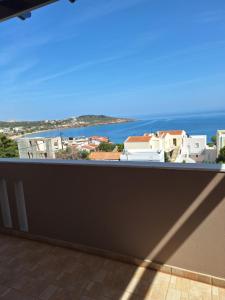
point(143, 148)
point(97, 140)
point(171, 139)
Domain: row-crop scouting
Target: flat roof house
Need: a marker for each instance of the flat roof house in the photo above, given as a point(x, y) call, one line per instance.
point(39, 148)
point(194, 147)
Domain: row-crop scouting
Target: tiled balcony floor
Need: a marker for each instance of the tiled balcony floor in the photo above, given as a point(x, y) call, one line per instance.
point(32, 270)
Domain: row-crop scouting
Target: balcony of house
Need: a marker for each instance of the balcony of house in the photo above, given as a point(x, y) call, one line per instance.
point(75, 230)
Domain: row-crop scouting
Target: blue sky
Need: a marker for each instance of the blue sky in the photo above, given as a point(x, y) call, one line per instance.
point(129, 57)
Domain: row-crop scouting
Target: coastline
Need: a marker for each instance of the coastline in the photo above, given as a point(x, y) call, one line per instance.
point(119, 121)
point(206, 125)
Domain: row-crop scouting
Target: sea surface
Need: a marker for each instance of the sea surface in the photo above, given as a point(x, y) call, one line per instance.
point(202, 123)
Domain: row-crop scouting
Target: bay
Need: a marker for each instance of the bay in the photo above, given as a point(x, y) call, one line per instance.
point(202, 123)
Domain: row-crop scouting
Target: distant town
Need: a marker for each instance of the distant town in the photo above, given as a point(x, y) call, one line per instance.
point(175, 146)
point(15, 129)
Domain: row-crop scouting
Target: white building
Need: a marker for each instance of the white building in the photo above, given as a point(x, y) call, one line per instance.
point(171, 139)
point(137, 143)
point(143, 155)
point(210, 154)
point(178, 146)
point(220, 140)
point(97, 140)
point(196, 150)
point(79, 141)
point(5, 130)
point(143, 148)
point(18, 129)
point(89, 148)
point(194, 147)
point(38, 147)
point(146, 142)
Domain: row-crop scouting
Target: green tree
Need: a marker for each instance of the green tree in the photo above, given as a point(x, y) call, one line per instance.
point(8, 147)
point(83, 154)
point(221, 156)
point(213, 139)
point(106, 147)
point(120, 147)
point(166, 157)
point(71, 153)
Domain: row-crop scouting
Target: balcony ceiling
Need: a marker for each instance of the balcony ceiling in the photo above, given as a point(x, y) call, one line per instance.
point(20, 8)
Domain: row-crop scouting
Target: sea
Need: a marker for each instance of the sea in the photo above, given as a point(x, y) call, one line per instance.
point(194, 124)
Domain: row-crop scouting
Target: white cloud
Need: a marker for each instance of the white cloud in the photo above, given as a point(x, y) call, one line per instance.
point(211, 16)
point(189, 50)
point(13, 73)
point(78, 67)
point(95, 10)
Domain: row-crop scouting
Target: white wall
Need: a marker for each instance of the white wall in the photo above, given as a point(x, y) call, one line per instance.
point(39, 148)
point(220, 140)
point(151, 156)
point(195, 144)
point(210, 154)
point(137, 146)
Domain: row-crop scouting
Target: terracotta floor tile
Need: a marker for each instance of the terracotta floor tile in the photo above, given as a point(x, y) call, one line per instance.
point(36, 271)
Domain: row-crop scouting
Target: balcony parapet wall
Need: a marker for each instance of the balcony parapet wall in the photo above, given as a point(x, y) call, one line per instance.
point(170, 215)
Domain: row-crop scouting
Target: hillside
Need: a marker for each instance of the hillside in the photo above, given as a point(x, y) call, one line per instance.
point(14, 128)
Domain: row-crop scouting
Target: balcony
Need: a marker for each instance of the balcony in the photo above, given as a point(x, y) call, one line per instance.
point(33, 270)
point(75, 230)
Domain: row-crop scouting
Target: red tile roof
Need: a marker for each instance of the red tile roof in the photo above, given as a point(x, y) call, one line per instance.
point(138, 139)
point(171, 132)
point(105, 155)
point(100, 138)
point(88, 147)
